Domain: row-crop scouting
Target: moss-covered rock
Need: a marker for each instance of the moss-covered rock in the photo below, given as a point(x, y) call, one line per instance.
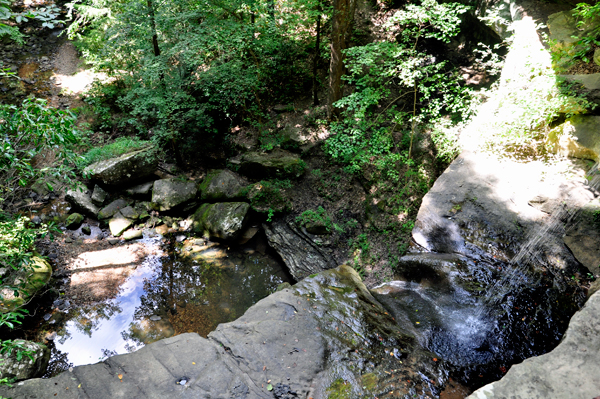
point(124, 169)
point(74, 221)
point(170, 193)
point(222, 185)
point(224, 220)
point(24, 367)
point(31, 279)
point(279, 163)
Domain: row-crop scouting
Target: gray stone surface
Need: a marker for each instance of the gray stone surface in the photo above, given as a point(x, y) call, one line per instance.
point(222, 185)
point(224, 220)
point(124, 169)
point(81, 200)
point(278, 163)
point(324, 330)
point(111, 209)
point(301, 255)
point(99, 195)
point(577, 137)
point(132, 234)
point(118, 224)
point(144, 189)
point(583, 236)
point(586, 84)
point(570, 371)
point(170, 193)
point(25, 368)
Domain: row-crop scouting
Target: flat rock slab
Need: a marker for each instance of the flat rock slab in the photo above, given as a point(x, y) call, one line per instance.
point(111, 209)
point(118, 224)
point(170, 193)
point(124, 169)
point(325, 332)
point(81, 200)
point(569, 371)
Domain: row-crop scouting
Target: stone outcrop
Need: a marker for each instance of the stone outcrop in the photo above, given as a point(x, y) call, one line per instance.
point(81, 200)
point(279, 163)
point(223, 220)
point(222, 185)
point(125, 169)
point(300, 253)
point(325, 336)
point(171, 193)
point(569, 371)
point(583, 236)
point(24, 367)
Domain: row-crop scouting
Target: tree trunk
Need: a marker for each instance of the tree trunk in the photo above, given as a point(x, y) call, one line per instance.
point(317, 56)
point(343, 14)
point(153, 26)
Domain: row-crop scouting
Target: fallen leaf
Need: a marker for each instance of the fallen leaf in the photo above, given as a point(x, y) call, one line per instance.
point(269, 387)
point(120, 376)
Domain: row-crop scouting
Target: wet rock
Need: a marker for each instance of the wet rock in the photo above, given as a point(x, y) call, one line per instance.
point(132, 234)
point(99, 195)
point(569, 371)
point(222, 185)
point(118, 224)
point(278, 163)
point(141, 190)
point(81, 200)
point(74, 221)
point(111, 209)
point(224, 220)
point(301, 254)
point(34, 278)
point(583, 236)
point(325, 332)
point(170, 193)
point(125, 169)
point(25, 367)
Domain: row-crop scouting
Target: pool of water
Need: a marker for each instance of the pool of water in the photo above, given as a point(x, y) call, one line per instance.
point(190, 286)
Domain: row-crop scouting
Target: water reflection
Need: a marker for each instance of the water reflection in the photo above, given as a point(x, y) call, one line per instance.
point(181, 290)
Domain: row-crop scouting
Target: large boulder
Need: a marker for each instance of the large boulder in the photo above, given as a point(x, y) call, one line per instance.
point(30, 279)
point(583, 236)
point(124, 169)
point(170, 193)
point(325, 337)
point(81, 199)
point(569, 371)
point(301, 254)
point(279, 163)
point(224, 220)
point(588, 85)
point(577, 137)
point(222, 185)
point(564, 30)
point(21, 366)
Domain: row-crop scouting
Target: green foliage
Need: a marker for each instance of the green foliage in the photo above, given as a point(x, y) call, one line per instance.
point(47, 15)
point(215, 68)
point(318, 217)
point(120, 146)
point(268, 197)
point(30, 133)
point(587, 13)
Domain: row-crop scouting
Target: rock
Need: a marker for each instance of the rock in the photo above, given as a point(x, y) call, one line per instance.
point(564, 31)
point(578, 137)
point(588, 85)
point(279, 163)
point(597, 56)
point(99, 195)
point(141, 190)
point(301, 255)
point(111, 209)
point(26, 367)
point(583, 236)
point(118, 224)
point(82, 201)
point(35, 276)
point(124, 169)
point(74, 221)
point(86, 230)
point(222, 185)
point(130, 213)
point(132, 234)
point(169, 193)
point(224, 220)
point(569, 371)
point(281, 108)
point(316, 339)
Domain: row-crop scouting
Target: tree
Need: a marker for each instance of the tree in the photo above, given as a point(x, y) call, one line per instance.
point(343, 16)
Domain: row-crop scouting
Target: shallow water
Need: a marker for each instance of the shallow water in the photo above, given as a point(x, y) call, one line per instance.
point(169, 293)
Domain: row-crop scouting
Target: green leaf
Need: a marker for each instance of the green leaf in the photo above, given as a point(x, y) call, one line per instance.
point(269, 387)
